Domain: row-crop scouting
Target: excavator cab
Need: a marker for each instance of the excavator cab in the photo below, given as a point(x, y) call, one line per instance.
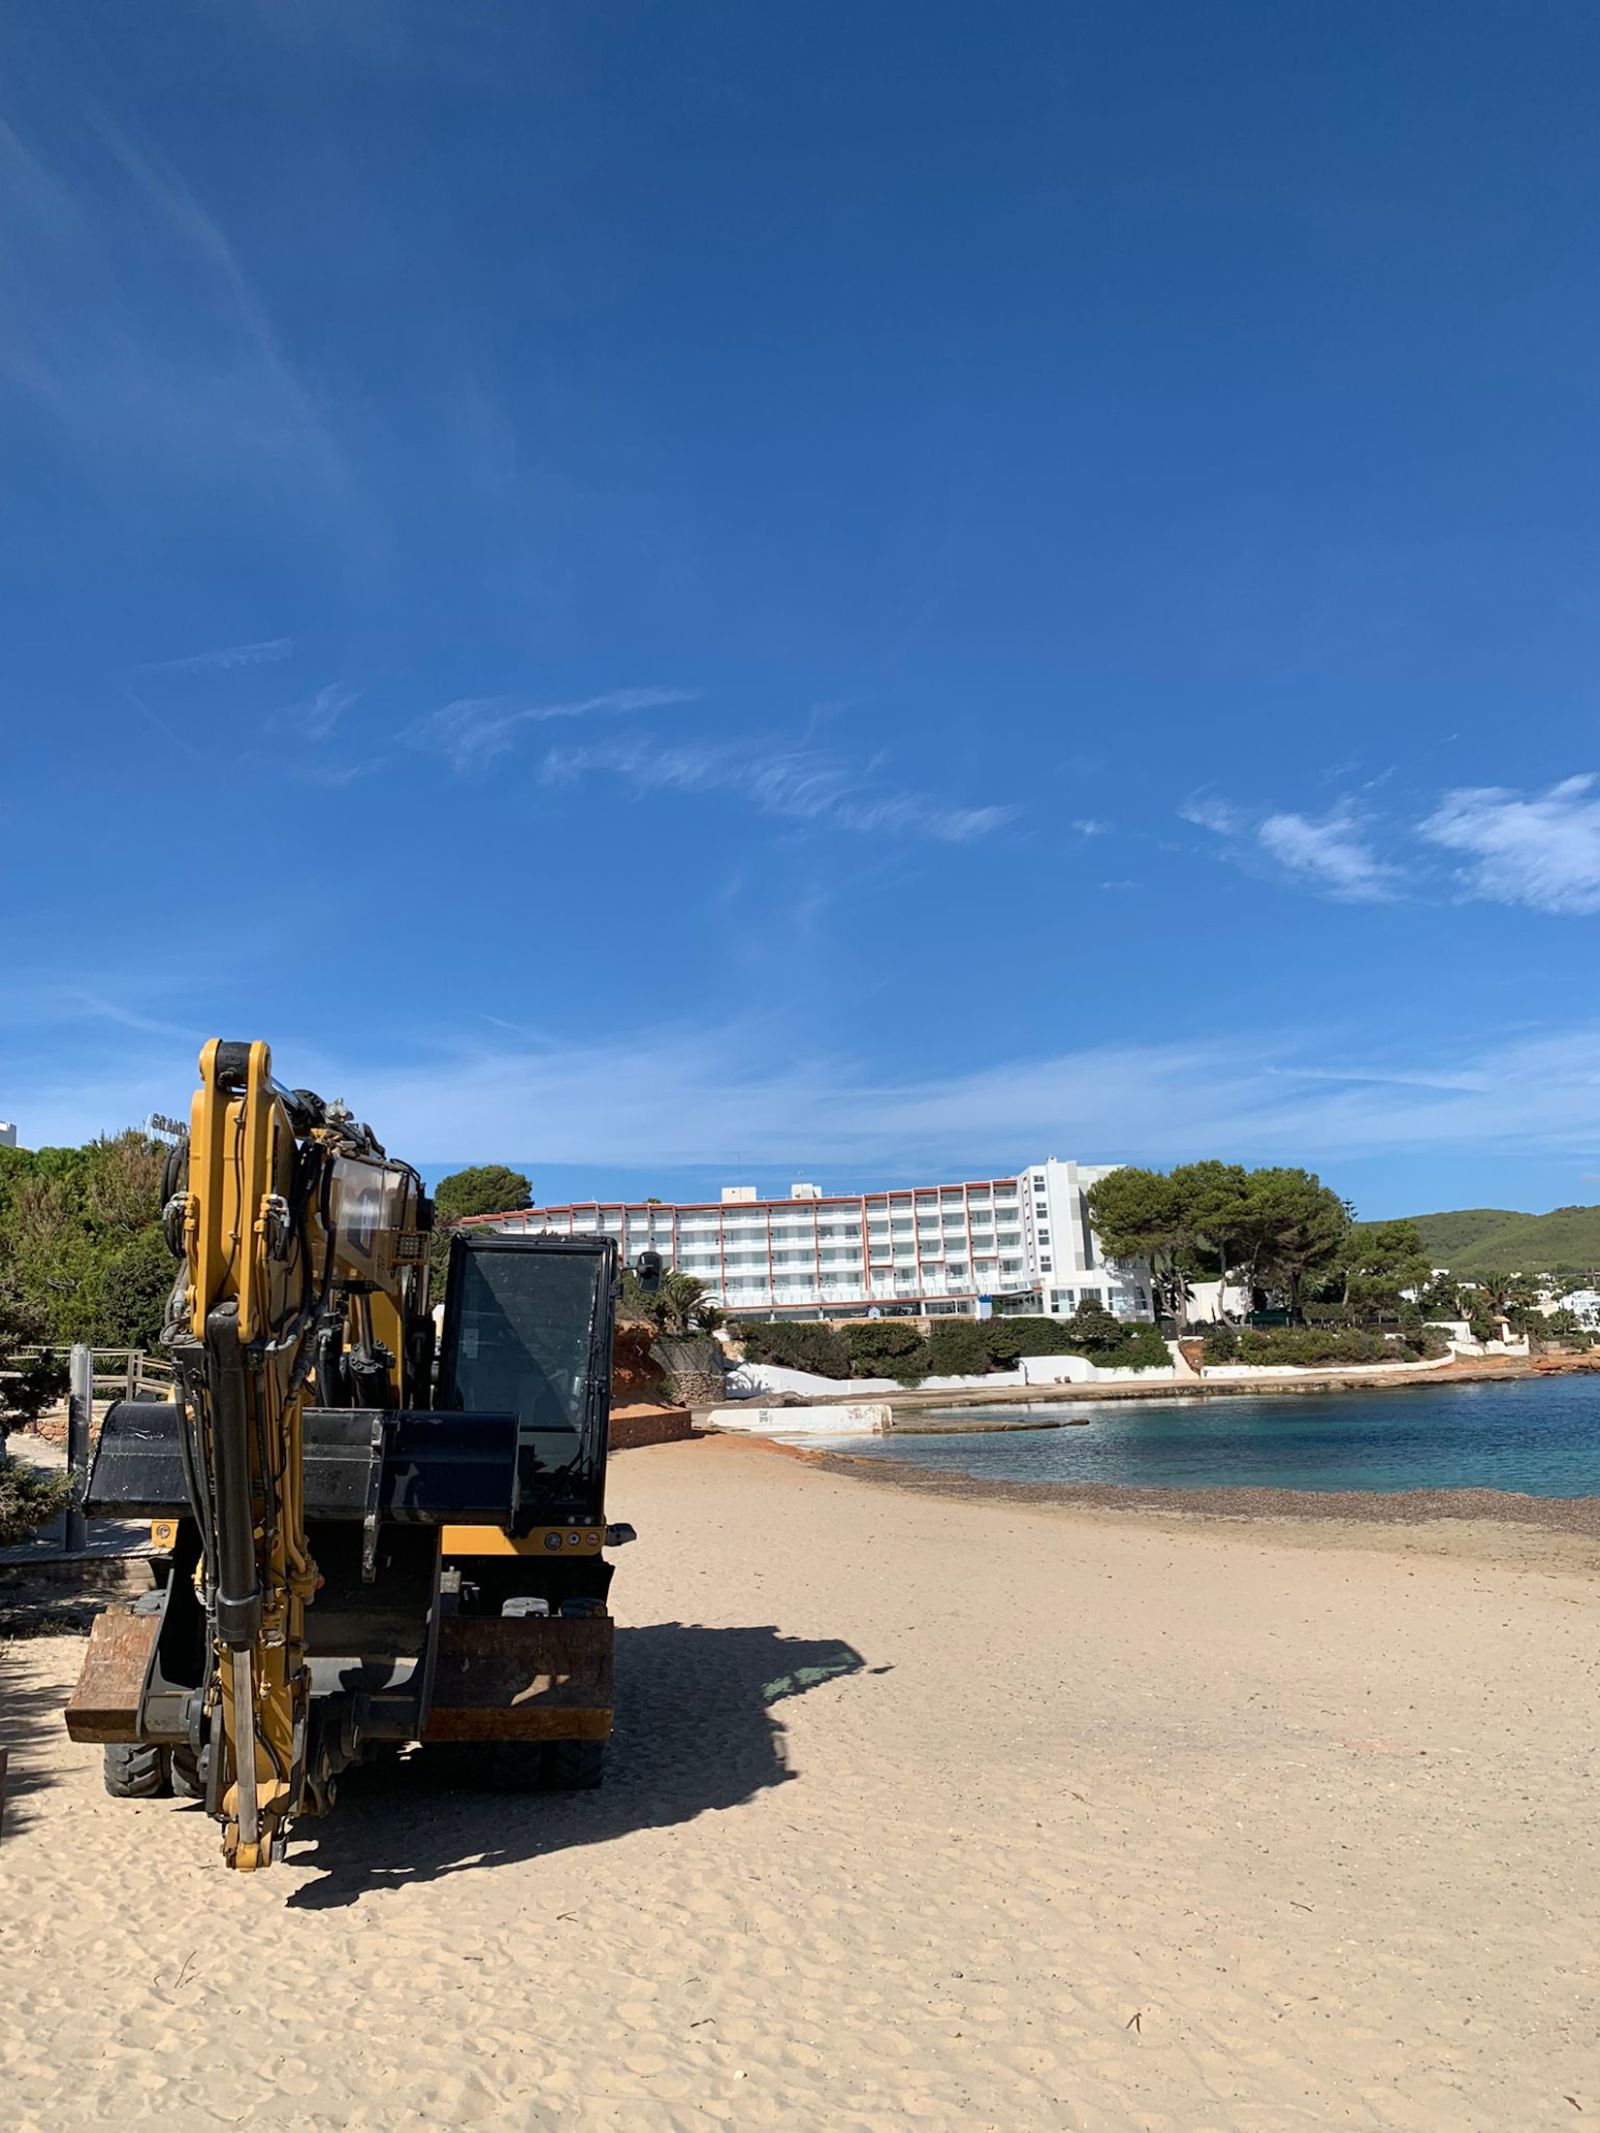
point(527, 1331)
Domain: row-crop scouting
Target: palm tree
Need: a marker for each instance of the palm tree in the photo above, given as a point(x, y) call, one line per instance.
point(678, 1307)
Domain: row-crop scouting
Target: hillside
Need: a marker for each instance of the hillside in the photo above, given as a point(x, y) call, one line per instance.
point(1476, 1240)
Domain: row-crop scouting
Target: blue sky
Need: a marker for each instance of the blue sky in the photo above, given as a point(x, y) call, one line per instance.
point(680, 593)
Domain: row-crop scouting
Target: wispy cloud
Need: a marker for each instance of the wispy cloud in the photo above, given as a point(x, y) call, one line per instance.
point(798, 785)
point(178, 366)
point(1333, 854)
point(232, 655)
point(742, 1089)
point(1207, 812)
point(167, 731)
point(473, 730)
point(1087, 826)
point(317, 717)
point(1540, 849)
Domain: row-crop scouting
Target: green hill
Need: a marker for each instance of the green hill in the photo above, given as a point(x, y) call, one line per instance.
point(1480, 1240)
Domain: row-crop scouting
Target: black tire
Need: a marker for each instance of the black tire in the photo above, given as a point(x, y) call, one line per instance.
point(136, 1770)
point(512, 1766)
point(574, 1765)
point(484, 1766)
point(184, 1767)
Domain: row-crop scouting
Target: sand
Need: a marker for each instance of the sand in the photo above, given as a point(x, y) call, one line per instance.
point(925, 1810)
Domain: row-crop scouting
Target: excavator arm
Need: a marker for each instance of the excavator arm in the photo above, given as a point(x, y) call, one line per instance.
point(293, 1221)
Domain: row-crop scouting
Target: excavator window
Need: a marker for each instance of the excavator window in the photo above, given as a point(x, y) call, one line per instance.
point(527, 1331)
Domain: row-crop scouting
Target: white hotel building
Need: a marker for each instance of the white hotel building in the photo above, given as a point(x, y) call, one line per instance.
point(1011, 1245)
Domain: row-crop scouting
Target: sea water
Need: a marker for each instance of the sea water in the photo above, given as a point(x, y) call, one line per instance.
point(1538, 1437)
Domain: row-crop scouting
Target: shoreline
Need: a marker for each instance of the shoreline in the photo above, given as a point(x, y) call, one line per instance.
point(1487, 1371)
point(1575, 1517)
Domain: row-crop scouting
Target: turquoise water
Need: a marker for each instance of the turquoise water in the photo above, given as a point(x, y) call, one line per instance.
point(1532, 1439)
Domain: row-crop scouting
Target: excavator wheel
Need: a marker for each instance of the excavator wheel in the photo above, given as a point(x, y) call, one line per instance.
point(512, 1765)
point(187, 1783)
point(136, 1770)
point(574, 1765)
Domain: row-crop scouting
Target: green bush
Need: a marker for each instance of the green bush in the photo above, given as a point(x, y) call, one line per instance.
point(1425, 1344)
point(1008, 1338)
point(1090, 1331)
point(1221, 1344)
point(29, 1498)
point(795, 1345)
point(958, 1348)
point(885, 1347)
point(124, 1299)
point(1308, 1346)
point(1142, 1349)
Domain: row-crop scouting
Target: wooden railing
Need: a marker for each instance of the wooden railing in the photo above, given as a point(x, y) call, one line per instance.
point(130, 1374)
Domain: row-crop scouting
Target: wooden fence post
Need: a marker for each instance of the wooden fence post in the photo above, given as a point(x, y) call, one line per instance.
point(80, 1415)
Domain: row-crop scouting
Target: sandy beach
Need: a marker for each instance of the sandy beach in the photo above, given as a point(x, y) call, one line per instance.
point(925, 1808)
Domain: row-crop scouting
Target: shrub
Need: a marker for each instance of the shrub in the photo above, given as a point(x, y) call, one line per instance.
point(1008, 1338)
point(1142, 1349)
point(882, 1347)
point(959, 1348)
point(1307, 1346)
point(795, 1345)
point(29, 1499)
point(1424, 1343)
point(124, 1299)
point(1091, 1331)
point(1221, 1344)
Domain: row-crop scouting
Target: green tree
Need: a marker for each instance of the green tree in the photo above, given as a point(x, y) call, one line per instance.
point(1440, 1297)
point(483, 1189)
point(1220, 1208)
point(1145, 1214)
point(1499, 1291)
point(1301, 1226)
point(1092, 1331)
point(124, 1301)
point(1378, 1262)
point(80, 1238)
point(680, 1306)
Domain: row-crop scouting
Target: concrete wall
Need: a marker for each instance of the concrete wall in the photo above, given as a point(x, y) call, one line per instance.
point(632, 1427)
point(840, 1418)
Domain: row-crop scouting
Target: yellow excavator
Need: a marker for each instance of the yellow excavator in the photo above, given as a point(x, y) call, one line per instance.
point(366, 1531)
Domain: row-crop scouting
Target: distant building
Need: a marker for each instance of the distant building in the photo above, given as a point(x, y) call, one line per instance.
point(8, 1135)
point(1010, 1245)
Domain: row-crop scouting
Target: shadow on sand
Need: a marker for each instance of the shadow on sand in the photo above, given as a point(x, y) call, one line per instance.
point(31, 1734)
point(697, 1729)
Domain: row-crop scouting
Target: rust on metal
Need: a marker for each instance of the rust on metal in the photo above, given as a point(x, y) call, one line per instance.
point(105, 1704)
point(522, 1678)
